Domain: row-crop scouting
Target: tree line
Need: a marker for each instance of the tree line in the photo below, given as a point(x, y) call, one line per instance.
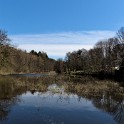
point(13, 60)
point(106, 56)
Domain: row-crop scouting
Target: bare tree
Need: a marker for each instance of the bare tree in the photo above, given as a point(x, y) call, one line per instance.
point(4, 40)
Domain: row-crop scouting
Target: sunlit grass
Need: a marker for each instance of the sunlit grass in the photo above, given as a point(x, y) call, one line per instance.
point(95, 88)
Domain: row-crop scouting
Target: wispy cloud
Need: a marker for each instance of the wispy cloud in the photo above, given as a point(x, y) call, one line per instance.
point(54, 50)
point(58, 44)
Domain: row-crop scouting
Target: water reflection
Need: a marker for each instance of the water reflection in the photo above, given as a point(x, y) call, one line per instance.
point(12, 87)
point(59, 100)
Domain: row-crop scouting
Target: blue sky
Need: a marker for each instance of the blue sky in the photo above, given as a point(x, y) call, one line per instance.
point(65, 24)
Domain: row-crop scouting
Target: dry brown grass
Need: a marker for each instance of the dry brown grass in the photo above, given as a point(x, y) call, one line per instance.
point(97, 88)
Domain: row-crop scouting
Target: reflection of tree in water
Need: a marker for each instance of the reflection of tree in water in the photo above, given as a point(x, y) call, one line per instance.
point(5, 106)
point(7, 97)
point(11, 87)
point(106, 101)
point(3, 110)
point(111, 104)
point(109, 98)
point(119, 113)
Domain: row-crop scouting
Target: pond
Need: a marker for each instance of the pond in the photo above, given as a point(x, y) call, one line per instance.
point(43, 99)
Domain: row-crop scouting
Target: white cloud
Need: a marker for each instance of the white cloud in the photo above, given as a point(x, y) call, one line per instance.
point(58, 44)
point(56, 50)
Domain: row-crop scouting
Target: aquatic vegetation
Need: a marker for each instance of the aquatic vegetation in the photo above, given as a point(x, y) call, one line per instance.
point(95, 88)
point(104, 94)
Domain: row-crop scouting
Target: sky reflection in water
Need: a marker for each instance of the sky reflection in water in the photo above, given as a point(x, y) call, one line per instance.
point(55, 108)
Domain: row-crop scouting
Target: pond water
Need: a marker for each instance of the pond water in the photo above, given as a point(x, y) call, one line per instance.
point(47, 100)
